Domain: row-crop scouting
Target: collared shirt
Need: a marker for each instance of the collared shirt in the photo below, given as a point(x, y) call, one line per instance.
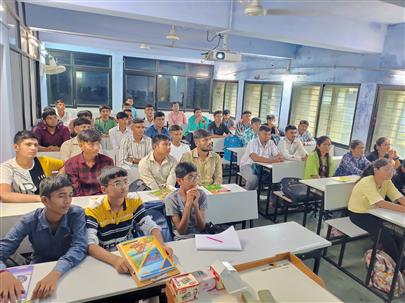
point(294, 151)
point(71, 148)
point(104, 126)
point(152, 131)
point(148, 123)
point(178, 118)
point(255, 146)
point(116, 136)
point(230, 123)
point(84, 178)
point(178, 151)
point(306, 138)
point(45, 138)
point(134, 113)
point(21, 179)
point(107, 228)
point(350, 165)
point(222, 129)
point(248, 136)
point(192, 125)
point(66, 117)
point(366, 194)
point(130, 148)
point(156, 175)
point(210, 169)
point(67, 245)
point(241, 128)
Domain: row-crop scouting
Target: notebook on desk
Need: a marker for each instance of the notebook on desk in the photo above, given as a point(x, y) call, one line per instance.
point(227, 240)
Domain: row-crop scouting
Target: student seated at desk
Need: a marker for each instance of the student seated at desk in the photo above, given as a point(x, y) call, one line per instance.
point(84, 168)
point(196, 121)
point(149, 115)
point(71, 148)
point(186, 206)
point(51, 134)
point(228, 121)
point(271, 122)
point(86, 114)
point(354, 162)
point(370, 192)
point(57, 232)
point(176, 116)
point(304, 135)
point(217, 128)
point(20, 176)
point(158, 127)
point(129, 104)
point(291, 147)
point(178, 148)
point(157, 168)
point(112, 219)
point(399, 178)
point(104, 123)
point(252, 132)
point(120, 131)
point(262, 149)
point(243, 124)
point(320, 163)
point(382, 149)
point(208, 163)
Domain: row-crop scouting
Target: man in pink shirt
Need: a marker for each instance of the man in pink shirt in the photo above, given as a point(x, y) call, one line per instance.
point(176, 117)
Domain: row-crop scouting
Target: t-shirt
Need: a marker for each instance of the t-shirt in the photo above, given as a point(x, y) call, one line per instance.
point(178, 151)
point(222, 129)
point(174, 206)
point(365, 194)
point(26, 181)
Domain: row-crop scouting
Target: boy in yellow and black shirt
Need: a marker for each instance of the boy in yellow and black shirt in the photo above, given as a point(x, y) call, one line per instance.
point(111, 220)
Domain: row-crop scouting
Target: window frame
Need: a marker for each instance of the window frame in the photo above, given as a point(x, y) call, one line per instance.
point(261, 94)
point(223, 96)
point(376, 104)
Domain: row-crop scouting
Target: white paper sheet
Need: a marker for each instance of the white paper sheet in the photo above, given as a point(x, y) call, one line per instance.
point(227, 240)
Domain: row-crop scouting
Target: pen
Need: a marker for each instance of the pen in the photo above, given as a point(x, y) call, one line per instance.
point(211, 238)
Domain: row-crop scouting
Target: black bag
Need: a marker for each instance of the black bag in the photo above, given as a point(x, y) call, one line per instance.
point(138, 185)
point(211, 228)
point(296, 191)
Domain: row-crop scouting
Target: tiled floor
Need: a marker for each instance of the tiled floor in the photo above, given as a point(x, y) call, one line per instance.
point(336, 281)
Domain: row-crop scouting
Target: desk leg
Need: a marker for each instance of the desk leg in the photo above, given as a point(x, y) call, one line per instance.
point(230, 168)
point(317, 261)
point(162, 297)
point(259, 188)
point(396, 272)
point(373, 257)
point(321, 210)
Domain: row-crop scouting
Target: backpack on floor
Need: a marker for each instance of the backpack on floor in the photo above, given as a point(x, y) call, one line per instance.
point(383, 272)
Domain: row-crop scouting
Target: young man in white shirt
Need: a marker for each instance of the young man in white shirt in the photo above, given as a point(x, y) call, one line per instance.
point(262, 149)
point(149, 115)
point(71, 148)
point(63, 115)
point(290, 147)
point(177, 148)
point(120, 131)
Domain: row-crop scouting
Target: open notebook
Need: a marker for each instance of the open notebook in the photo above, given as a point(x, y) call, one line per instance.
point(227, 240)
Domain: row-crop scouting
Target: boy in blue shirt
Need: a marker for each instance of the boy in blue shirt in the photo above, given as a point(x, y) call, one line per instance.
point(57, 232)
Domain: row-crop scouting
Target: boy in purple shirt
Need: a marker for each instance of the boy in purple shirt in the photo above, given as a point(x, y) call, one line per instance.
point(51, 134)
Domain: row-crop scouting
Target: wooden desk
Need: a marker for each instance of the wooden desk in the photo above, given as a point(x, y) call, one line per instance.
point(258, 243)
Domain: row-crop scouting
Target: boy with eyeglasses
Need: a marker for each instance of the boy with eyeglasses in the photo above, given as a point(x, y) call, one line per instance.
point(186, 206)
point(110, 220)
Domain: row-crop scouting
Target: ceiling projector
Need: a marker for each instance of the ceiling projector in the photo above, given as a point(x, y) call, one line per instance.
point(223, 55)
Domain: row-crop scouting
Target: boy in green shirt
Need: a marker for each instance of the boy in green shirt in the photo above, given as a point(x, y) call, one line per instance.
point(104, 123)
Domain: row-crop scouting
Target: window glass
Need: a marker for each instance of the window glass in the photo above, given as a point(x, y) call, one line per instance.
point(251, 98)
point(170, 89)
point(198, 93)
point(60, 86)
point(176, 68)
point(141, 88)
point(12, 30)
point(200, 71)
point(140, 64)
point(231, 97)
point(271, 100)
point(92, 88)
point(94, 60)
point(218, 95)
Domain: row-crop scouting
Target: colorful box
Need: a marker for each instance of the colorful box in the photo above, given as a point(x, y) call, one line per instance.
point(218, 282)
point(184, 288)
point(205, 278)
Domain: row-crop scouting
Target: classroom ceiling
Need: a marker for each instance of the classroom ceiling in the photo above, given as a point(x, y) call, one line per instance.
point(355, 26)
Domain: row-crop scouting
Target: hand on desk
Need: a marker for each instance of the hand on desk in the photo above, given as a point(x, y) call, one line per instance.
point(10, 288)
point(121, 265)
point(47, 286)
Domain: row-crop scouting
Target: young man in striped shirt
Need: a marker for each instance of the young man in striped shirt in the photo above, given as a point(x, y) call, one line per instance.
point(112, 220)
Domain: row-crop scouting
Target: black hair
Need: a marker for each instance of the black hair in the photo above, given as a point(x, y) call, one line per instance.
point(23, 135)
point(89, 135)
point(270, 117)
point(200, 133)
point(305, 122)
point(377, 164)
point(85, 113)
point(149, 105)
point(319, 141)
point(226, 112)
point(125, 103)
point(130, 97)
point(246, 112)
point(60, 100)
point(103, 107)
point(217, 112)
point(264, 128)
point(175, 128)
point(122, 115)
point(81, 121)
point(175, 102)
point(184, 168)
point(380, 141)
point(49, 112)
point(138, 121)
point(159, 138)
point(196, 109)
point(109, 173)
point(255, 120)
point(158, 115)
point(290, 127)
point(354, 143)
point(53, 183)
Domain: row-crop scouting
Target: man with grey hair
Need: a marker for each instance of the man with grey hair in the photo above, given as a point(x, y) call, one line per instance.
point(57, 232)
point(84, 168)
point(208, 163)
point(110, 220)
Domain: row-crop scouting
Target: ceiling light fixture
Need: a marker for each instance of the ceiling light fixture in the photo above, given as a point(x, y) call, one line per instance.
point(254, 8)
point(172, 35)
point(144, 46)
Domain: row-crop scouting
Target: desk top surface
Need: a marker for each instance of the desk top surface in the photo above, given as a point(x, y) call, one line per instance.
point(258, 243)
point(394, 217)
point(321, 183)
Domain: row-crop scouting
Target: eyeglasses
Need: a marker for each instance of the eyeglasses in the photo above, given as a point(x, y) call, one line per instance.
point(119, 184)
point(388, 169)
point(192, 178)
